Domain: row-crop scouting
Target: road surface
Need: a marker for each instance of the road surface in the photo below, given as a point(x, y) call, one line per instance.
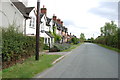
point(86, 61)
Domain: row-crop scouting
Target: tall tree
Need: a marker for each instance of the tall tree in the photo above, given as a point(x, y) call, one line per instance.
point(82, 37)
point(109, 29)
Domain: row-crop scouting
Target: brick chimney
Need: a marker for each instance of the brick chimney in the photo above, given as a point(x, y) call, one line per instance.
point(54, 17)
point(44, 10)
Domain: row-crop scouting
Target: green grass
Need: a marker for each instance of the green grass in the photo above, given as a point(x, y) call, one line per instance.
point(111, 48)
point(30, 67)
point(72, 47)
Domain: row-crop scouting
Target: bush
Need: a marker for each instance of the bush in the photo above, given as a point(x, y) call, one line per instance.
point(57, 38)
point(46, 47)
point(59, 47)
point(75, 40)
point(16, 46)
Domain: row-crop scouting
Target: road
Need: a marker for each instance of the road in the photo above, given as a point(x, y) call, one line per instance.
point(86, 61)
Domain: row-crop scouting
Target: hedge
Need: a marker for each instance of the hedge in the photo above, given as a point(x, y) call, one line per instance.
point(16, 46)
point(59, 47)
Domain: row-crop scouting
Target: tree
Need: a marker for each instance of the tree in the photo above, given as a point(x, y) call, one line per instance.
point(110, 35)
point(108, 29)
point(75, 40)
point(82, 37)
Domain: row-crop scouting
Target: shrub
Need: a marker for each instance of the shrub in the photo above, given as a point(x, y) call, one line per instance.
point(46, 47)
point(75, 40)
point(57, 38)
point(16, 46)
point(59, 47)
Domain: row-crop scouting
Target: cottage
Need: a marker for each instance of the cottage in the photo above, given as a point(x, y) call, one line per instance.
point(15, 13)
point(46, 28)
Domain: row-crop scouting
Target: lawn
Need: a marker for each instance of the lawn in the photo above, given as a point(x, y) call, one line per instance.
point(72, 47)
point(108, 47)
point(30, 67)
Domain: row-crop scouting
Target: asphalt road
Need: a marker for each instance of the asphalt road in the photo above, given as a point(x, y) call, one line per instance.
point(87, 61)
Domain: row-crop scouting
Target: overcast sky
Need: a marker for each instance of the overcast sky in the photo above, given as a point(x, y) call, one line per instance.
point(82, 16)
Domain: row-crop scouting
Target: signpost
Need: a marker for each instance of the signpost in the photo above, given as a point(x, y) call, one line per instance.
point(37, 30)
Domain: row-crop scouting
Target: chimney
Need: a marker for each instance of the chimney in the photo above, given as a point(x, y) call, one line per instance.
point(54, 17)
point(59, 21)
point(44, 10)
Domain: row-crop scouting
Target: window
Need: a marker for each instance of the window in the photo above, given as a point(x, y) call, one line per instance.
point(32, 22)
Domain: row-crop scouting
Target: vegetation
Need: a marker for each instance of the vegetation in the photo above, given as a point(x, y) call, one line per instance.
point(72, 47)
point(82, 37)
point(16, 47)
point(110, 35)
point(30, 67)
point(91, 40)
point(59, 47)
point(46, 47)
point(56, 37)
point(111, 48)
point(75, 40)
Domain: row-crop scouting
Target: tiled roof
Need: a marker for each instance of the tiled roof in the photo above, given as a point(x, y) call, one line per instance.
point(22, 8)
point(49, 34)
point(48, 21)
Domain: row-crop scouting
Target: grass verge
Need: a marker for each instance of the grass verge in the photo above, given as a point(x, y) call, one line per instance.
point(72, 47)
point(30, 67)
point(111, 48)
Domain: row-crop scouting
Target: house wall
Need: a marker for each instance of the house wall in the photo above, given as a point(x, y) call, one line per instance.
point(11, 15)
point(31, 23)
point(51, 27)
point(57, 31)
point(63, 33)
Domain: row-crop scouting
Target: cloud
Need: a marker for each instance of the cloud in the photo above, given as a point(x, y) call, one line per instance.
point(107, 10)
point(69, 22)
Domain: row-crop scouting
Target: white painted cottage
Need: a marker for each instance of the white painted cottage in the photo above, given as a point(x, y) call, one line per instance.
point(14, 12)
point(24, 18)
point(46, 27)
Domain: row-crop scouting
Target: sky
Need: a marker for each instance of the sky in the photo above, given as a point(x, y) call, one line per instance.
point(82, 16)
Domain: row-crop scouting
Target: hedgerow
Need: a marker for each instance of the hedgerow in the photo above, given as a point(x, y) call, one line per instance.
point(59, 47)
point(110, 35)
point(16, 46)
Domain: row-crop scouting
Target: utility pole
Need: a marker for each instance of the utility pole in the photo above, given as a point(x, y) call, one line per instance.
point(37, 30)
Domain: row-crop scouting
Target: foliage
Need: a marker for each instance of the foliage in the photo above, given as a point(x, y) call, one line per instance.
point(54, 29)
point(56, 37)
point(90, 40)
point(30, 67)
point(46, 47)
point(110, 35)
point(109, 29)
point(82, 37)
point(72, 47)
point(16, 46)
point(75, 40)
point(111, 48)
point(59, 47)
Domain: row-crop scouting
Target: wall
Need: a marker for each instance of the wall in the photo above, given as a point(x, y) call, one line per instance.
point(31, 29)
point(10, 15)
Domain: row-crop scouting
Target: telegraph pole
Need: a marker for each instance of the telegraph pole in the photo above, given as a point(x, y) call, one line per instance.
point(37, 30)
